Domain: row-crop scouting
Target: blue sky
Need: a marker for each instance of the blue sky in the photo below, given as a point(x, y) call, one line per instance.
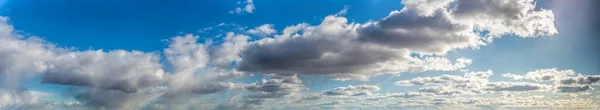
point(191, 54)
point(112, 23)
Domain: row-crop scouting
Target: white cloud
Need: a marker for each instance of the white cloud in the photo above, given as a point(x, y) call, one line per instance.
point(185, 54)
point(21, 100)
point(263, 30)
point(548, 74)
point(513, 76)
point(468, 78)
point(344, 11)
point(117, 70)
point(565, 80)
point(470, 83)
point(248, 8)
point(338, 48)
point(228, 52)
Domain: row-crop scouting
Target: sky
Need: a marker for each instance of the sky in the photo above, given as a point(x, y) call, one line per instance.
point(299, 54)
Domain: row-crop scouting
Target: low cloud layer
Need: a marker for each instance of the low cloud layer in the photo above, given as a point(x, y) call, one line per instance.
point(567, 81)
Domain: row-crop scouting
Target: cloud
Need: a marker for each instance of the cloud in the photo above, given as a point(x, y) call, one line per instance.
point(213, 87)
point(514, 86)
point(548, 74)
point(501, 17)
point(117, 70)
point(581, 80)
point(352, 90)
point(263, 30)
point(21, 99)
point(355, 50)
point(199, 69)
point(227, 53)
point(571, 89)
point(278, 84)
point(513, 76)
point(185, 54)
point(344, 11)
point(414, 39)
point(108, 99)
point(276, 89)
point(565, 80)
point(470, 83)
point(249, 8)
point(442, 90)
point(24, 56)
point(471, 77)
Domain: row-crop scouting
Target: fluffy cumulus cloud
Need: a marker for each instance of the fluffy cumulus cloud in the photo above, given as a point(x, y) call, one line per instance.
point(422, 27)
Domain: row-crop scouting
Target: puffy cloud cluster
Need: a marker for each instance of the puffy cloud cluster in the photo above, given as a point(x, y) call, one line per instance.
point(543, 75)
point(353, 50)
point(566, 81)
